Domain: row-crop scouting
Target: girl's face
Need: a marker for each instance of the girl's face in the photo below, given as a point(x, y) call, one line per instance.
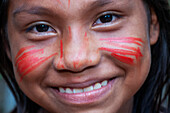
point(80, 56)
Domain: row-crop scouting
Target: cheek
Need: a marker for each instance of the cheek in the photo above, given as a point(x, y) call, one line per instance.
point(28, 59)
point(124, 49)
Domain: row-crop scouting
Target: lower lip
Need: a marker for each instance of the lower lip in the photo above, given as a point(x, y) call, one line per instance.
point(86, 97)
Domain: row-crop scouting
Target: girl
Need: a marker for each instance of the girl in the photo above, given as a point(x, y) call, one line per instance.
point(86, 56)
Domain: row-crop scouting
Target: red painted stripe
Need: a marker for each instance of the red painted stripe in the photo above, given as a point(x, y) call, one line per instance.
point(119, 54)
point(61, 49)
point(124, 59)
point(122, 46)
point(126, 51)
point(77, 64)
point(135, 40)
point(68, 3)
point(120, 51)
point(35, 66)
point(60, 65)
point(122, 38)
point(22, 50)
point(27, 54)
point(59, 2)
point(85, 36)
point(129, 41)
point(70, 34)
point(25, 64)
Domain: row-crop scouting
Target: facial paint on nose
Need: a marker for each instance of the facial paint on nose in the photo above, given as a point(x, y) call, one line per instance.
point(59, 2)
point(77, 61)
point(70, 34)
point(68, 3)
point(61, 49)
point(60, 64)
point(85, 37)
point(28, 61)
point(91, 61)
point(126, 53)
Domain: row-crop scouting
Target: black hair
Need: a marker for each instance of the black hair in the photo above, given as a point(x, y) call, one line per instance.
point(150, 97)
point(24, 104)
point(156, 89)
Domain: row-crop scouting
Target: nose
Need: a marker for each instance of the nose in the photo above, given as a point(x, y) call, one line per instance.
point(78, 51)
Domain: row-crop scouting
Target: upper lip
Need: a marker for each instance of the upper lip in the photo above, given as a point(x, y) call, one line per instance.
point(82, 84)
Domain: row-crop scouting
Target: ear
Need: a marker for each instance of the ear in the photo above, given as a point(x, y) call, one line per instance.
point(154, 28)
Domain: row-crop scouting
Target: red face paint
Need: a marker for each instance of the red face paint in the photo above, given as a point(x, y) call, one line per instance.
point(126, 53)
point(68, 3)
point(59, 2)
point(60, 65)
point(22, 50)
point(91, 61)
point(27, 54)
point(85, 36)
point(134, 40)
point(70, 35)
point(75, 64)
point(61, 49)
point(29, 60)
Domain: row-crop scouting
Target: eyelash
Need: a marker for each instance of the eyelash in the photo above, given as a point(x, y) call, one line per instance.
point(109, 17)
point(40, 28)
point(40, 31)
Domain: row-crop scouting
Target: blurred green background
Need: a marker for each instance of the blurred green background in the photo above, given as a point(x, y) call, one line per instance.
point(7, 101)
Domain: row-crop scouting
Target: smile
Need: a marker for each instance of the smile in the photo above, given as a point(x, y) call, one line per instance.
point(85, 95)
point(86, 89)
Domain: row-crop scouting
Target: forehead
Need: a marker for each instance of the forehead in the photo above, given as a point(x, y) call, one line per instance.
point(73, 2)
point(73, 5)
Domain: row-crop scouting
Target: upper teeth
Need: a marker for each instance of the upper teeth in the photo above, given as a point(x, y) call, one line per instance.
point(86, 89)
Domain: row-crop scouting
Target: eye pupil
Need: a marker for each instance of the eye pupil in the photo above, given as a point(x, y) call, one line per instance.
point(106, 18)
point(42, 28)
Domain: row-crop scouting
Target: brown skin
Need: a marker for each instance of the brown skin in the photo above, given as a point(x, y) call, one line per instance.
point(80, 16)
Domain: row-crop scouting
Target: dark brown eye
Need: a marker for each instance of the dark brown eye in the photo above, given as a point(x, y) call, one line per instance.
point(106, 18)
point(42, 28)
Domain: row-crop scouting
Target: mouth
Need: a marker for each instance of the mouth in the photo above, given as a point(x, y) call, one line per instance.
point(84, 95)
point(92, 87)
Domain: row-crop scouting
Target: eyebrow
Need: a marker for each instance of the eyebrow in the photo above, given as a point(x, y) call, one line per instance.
point(39, 10)
point(100, 3)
